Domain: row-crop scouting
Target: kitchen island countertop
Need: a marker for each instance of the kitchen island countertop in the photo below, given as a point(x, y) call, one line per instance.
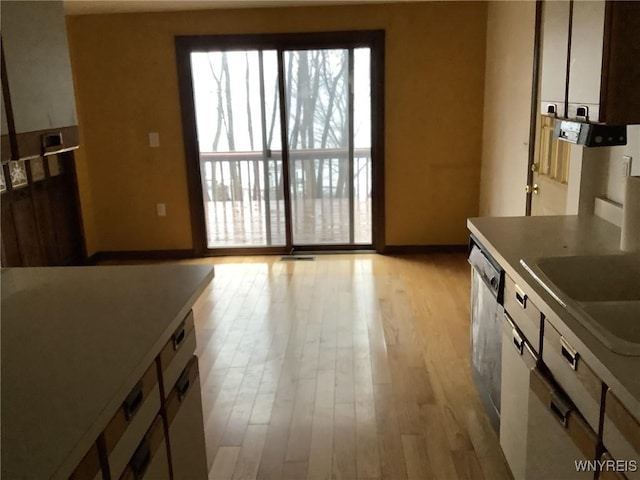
point(75, 340)
point(510, 239)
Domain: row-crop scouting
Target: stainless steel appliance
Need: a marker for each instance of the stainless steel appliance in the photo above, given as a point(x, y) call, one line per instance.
point(487, 291)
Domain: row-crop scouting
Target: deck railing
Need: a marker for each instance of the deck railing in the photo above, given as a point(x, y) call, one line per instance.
point(244, 197)
point(314, 173)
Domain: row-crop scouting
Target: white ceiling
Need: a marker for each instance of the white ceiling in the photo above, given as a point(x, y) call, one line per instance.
point(84, 7)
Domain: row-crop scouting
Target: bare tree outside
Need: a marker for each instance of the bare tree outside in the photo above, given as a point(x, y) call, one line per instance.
point(239, 132)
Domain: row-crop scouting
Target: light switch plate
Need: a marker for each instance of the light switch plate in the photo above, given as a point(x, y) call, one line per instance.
point(154, 139)
point(161, 209)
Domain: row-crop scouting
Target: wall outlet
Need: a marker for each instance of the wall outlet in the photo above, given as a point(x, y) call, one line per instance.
point(626, 165)
point(161, 209)
point(154, 139)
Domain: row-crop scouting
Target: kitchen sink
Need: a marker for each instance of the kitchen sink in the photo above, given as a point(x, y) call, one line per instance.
point(601, 291)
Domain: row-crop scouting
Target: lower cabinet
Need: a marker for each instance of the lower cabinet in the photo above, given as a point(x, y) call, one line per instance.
point(166, 400)
point(557, 436)
point(186, 429)
point(517, 361)
point(150, 460)
point(621, 436)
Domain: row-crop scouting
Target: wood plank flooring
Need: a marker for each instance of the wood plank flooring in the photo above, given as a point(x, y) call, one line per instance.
point(347, 367)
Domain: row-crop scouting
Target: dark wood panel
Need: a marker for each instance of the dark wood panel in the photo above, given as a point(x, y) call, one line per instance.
point(26, 228)
point(64, 211)
point(620, 95)
point(10, 250)
point(45, 222)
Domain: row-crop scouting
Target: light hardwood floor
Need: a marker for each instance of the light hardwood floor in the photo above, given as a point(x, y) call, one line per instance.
point(347, 367)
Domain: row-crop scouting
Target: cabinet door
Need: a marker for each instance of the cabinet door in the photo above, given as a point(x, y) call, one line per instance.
point(186, 426)
point(34, 39)
point(555, 44)
point(557, 436)
point(621, 435)
point(517, 362)
point(585, 70)
point(620, 98)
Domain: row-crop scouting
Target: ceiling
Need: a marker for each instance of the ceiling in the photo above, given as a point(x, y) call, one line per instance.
point(85, 7)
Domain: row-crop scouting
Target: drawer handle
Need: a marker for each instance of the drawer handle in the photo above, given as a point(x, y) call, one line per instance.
point(521, 297)
point(559, 409)
point(178, 337)
point(569, 353)
point(133, 401)
point(182, 385)
point(141, 458)
point(517, 341)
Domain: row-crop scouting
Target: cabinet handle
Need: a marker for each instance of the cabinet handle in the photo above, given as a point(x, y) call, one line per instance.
point(178, 337)
point(517, 341)
point(521, 297)
point(569, 353)
point(133, 401)
point(560, 409)
point(582, 113)
point(183, 384)
point(141, 458)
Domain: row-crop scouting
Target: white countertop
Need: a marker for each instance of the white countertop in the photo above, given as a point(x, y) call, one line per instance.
point(509, 239)
point(74, 341)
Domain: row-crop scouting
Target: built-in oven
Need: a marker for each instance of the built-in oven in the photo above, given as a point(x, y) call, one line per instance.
point(487, 291)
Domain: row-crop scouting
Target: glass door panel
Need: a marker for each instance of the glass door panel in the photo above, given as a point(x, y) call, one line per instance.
point(238, 123)
point(325, 172)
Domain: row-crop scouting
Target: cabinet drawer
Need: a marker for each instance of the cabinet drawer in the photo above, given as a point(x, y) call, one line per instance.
point(557, 435)
point(523, 312)
point(177, 352)
point(186, 425)
point(89, 467)
point(573, 374)
point(621, 433)
point(150, 460)
point(128, 426)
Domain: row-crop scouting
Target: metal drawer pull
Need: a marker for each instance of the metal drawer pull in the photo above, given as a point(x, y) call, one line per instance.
point(560, 409)
point(141, 458)
point(569, 353)
point(133, 401)
point(521, 297)
point(183, 384)
point(517, 341)
point(178, 336)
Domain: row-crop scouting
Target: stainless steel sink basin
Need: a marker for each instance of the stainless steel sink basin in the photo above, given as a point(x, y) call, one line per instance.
point(602, 292)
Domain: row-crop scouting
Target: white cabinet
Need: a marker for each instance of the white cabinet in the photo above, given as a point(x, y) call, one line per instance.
point(186, 429)
point(557, 436)
point(38, 75)
point(150, 460)
point(573, 374)
point(554, 53)
point(601, 40)
point(518, 360)
point(585, 70)
point(621, 435)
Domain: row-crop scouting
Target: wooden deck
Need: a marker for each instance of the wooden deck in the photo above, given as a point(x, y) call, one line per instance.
point(315, 222)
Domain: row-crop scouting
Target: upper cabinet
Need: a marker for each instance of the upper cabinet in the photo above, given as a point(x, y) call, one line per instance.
point(38, 77)
point(601, 40)
point(555, 49)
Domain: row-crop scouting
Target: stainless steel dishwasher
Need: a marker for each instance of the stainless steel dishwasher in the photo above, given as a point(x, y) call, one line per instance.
point(487, 290)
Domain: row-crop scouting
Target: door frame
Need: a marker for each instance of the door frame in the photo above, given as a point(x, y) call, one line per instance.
point(185, 45)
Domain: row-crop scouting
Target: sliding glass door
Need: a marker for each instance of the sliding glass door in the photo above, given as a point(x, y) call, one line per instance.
point(284, 146)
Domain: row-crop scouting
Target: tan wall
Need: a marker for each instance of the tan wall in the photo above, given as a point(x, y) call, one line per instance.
point(507, 107)
point(126, 86)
